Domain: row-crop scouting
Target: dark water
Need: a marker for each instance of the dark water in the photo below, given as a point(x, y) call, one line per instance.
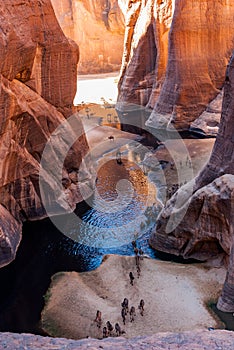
point(44, 250)
point(226, 317)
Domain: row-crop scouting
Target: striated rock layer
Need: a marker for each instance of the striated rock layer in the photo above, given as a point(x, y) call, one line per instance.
point(98, 28)
point(205, 227)
point(37, 86)
point(175, 58)
point(199, 340)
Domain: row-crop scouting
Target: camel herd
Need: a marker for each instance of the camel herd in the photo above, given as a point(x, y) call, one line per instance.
point(109, 330)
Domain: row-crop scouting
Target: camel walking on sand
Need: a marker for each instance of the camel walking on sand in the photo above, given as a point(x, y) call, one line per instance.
point(132, 314)
point(118, 330)
point(123, 314)
point(109, 327)
point(124, 304)
point(98, 319)
point(131, 278)
point(141, 307)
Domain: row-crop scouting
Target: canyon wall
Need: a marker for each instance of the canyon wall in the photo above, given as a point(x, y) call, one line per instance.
point(38, 73)
point(206, 227)
point(175, 58)
point(98, 28)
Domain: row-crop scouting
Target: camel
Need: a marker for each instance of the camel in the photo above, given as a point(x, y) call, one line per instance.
point(132, 313)
point(141, 307)
point(109, 327)
point(124, 304)
point(123, 314)
point(98, 319)
point(131, 278)
point(104, 332)
point(118, 329)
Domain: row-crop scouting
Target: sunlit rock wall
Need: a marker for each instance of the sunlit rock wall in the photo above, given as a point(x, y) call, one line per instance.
point(175, 57)
point(37, 86)
point(98, 28)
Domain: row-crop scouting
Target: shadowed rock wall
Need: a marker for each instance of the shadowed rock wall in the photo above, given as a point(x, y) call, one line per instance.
point(38, 71)
point(207, 226)
point(206, 229)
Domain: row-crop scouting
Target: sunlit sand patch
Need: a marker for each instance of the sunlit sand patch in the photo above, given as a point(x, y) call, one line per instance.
point(93, 88)
point(175, 298)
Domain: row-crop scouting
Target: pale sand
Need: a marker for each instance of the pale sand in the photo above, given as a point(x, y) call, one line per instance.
point(175, 297)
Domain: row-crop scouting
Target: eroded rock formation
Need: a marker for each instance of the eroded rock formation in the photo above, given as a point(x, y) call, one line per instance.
point(176, 54)
point(205, 228)
point(98, 28)
point(199, 340)
point(38, 84)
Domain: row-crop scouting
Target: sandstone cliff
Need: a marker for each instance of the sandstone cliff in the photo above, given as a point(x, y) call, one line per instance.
point(175, 58)
point(38, 83)
point(98, 28)
point(205, 229)
point(209, 219)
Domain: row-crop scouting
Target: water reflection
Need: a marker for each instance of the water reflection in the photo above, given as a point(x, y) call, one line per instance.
point(124, 207)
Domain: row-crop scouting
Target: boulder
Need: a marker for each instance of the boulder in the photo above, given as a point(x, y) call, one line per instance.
point(197, 226)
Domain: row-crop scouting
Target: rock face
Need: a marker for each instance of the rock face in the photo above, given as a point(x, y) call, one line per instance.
point(98, 28)
point(199, 340)
point(206, 229)
point(226, 299)
point(208, 222)
point(176, 54)
point(38, 84)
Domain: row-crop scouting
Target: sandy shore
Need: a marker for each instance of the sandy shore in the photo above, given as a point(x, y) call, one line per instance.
point(175, 295)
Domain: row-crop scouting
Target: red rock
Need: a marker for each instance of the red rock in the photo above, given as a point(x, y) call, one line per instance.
point(177, 83)
point(206, 226)
point(209, 216)
point(98, 28)
point(38, 85)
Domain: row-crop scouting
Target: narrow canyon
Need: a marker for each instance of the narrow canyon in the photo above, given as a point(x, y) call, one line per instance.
point(169, 144)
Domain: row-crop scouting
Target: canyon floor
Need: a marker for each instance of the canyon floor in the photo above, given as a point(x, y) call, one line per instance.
point(176, 295)
point(176, 298)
